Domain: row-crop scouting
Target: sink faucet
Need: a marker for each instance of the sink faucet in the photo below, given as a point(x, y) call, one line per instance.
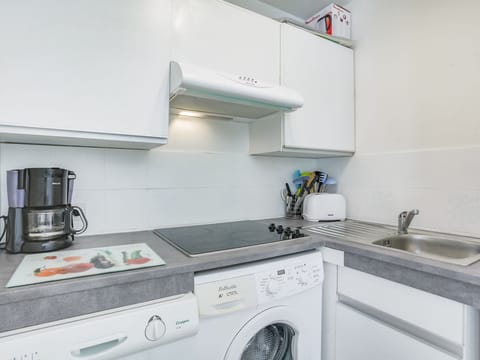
point(404, 220)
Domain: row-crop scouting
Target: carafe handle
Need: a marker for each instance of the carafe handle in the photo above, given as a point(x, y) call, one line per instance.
point(71, 178)
point(77, 211)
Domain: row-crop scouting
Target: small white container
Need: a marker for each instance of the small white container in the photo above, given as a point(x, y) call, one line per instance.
point(324, 207)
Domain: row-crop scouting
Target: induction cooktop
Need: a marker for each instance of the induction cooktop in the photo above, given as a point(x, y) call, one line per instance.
point(206, 239)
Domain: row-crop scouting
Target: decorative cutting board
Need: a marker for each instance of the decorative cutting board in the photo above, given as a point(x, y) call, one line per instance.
point(59, 265)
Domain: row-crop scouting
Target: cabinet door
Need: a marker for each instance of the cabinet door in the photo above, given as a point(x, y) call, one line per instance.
point(435, 314)
point(361, 337)
point(323, 72)
point(89, 65)
point(226, 38)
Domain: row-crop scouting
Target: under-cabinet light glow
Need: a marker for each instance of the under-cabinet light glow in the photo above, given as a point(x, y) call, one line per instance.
point(190, 113)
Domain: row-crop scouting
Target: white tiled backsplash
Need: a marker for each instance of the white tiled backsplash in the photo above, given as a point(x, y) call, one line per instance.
point(444, 184)
point(203, 175)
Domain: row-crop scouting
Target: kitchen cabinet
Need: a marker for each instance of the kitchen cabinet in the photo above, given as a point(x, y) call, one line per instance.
point(90, 72)
point(361, 337)
point(226, 38)
point(437, 315)
point(323, 73)
point(382, 319)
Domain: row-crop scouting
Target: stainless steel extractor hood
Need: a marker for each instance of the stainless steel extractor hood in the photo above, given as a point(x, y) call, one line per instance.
point(193, 88)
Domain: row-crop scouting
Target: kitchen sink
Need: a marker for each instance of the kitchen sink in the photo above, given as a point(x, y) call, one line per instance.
point(454, 251)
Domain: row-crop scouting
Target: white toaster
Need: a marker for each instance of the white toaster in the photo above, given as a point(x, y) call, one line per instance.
point(324, 207)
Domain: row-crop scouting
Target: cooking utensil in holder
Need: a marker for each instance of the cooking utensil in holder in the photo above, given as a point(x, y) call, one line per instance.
point(291, 212)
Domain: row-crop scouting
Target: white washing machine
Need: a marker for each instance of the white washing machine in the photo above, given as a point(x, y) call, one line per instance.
point(258, 311)
point(124, 333)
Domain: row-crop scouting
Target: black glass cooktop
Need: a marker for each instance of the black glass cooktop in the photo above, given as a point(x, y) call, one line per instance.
point(203, 239)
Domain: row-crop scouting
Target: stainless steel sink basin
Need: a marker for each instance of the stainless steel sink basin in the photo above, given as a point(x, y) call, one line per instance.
point(458, 250)
point(444, 249)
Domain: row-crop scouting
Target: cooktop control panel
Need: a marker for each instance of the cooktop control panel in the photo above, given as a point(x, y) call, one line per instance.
point(286, 232)
point(288, 278)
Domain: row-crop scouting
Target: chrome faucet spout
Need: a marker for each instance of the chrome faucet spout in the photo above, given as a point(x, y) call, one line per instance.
point(404, 220)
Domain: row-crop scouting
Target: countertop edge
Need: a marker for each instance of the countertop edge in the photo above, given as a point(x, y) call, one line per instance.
point(74, 297)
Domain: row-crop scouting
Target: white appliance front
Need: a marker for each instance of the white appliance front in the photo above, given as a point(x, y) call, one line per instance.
point(114, 334)
point(266, 310)
point(194, 88)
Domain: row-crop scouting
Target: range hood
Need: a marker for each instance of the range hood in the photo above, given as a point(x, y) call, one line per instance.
point(193, 88)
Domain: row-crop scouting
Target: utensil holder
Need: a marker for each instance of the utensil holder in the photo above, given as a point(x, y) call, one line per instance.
point(291, 213)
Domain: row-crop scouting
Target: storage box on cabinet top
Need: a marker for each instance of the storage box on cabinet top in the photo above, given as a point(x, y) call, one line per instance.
point(332, 20)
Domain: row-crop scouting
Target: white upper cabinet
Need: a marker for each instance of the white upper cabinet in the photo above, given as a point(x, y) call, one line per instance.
point(90, 72)
point(322, 71)
point(226, 38)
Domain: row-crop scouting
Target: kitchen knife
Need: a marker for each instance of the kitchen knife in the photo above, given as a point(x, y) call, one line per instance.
point(289, 192)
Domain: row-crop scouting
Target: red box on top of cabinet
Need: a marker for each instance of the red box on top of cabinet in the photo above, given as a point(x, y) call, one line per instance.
point(332, 20)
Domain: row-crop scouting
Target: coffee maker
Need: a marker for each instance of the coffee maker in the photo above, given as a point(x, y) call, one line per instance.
point(40, 214)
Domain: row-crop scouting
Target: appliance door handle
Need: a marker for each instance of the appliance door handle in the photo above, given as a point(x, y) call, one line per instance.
point(98, 346)
point(77, 211)
point(229, 306)
point(71, 175)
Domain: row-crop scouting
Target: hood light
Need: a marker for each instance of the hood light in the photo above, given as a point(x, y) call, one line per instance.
point(190, 113)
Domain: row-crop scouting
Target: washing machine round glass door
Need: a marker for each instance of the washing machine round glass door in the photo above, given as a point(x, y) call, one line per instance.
point(272, 334)
point(273, 342)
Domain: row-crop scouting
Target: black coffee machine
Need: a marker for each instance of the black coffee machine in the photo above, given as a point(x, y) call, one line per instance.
point(40, 214)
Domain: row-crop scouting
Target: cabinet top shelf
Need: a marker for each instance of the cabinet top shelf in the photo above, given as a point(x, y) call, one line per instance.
point(341, 41)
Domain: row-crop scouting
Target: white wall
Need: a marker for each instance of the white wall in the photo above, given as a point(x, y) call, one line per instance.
point(417, 114)
point(203, 175)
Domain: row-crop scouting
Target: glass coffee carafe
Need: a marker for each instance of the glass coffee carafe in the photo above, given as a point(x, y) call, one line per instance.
point(45, 224)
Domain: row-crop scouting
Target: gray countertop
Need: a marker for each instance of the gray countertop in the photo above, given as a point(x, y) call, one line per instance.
point(35, 304)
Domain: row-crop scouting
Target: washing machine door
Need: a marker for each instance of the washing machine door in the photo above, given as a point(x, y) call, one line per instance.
point(272, 334)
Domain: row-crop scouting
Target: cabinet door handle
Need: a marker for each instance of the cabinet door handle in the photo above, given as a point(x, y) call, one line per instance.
point(401, 325)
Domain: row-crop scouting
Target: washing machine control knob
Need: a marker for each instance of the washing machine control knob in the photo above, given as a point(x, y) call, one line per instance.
point(303, 278)
point(155, 328)
point(273, 287)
